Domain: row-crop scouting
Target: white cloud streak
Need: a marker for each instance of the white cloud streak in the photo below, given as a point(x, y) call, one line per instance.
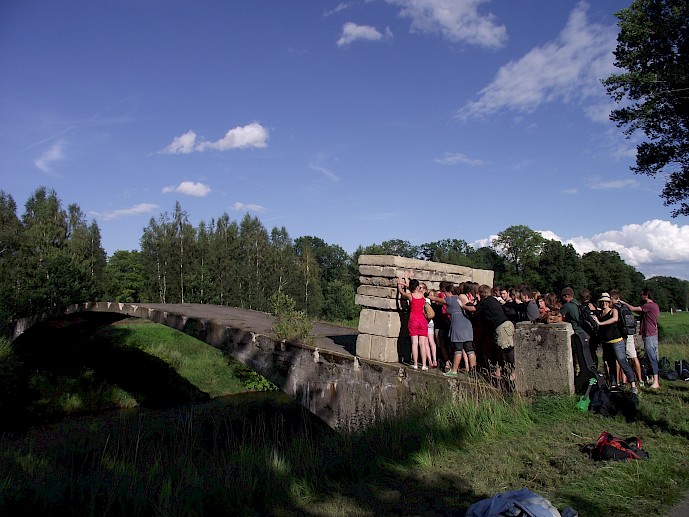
point(54, 154)
point(324, 171)
point(352, 32)
point(189, 188)
point(458, 158)
point(242, 137)
point(457, 21)
point(614, 184)
point(567, 69)
point(248, 207)
point(140, 209)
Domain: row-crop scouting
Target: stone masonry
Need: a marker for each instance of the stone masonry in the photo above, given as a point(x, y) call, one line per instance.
point(383, 334)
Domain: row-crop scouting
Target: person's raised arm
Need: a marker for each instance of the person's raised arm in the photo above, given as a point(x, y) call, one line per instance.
point(465, 304)
point(402, 286)
point(437, 299)
point(632, 307)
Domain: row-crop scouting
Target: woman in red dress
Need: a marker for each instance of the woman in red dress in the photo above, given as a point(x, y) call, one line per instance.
point(418, 326)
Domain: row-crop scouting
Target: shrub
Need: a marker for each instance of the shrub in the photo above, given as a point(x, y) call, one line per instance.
point(290, 324)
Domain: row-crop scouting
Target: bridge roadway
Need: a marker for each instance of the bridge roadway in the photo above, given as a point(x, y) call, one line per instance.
point(325, 376)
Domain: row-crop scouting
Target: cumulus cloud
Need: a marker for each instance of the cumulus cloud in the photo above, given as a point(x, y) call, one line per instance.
point(652, 242)
point(189, 188)
point(54, 154)
point(242, 137)
point(352, 32)
point(140, 209)
point(248, 207)
point(456, 158)
point(655, 247)
point(457, 21)
point(567, 69)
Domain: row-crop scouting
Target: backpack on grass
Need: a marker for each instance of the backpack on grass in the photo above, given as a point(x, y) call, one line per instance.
point(609, 447)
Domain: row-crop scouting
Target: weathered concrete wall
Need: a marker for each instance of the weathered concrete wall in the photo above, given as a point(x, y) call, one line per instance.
point(543, 358)
point(383, 334)
point(347, 393)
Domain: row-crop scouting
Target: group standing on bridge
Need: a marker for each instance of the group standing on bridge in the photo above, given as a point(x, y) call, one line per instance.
point(471, 325)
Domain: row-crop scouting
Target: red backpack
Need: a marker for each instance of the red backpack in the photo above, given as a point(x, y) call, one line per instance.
point(609, 447)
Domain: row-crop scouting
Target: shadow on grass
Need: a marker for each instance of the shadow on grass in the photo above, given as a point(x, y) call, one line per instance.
point(250, 454)
point(48, 370)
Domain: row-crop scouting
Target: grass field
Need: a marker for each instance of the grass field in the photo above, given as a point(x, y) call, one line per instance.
point(263, 455)
point(673, 329)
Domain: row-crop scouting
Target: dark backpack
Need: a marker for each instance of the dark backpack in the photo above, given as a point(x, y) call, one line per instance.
point(588, 324)
point(609, 447)
point(626, 320)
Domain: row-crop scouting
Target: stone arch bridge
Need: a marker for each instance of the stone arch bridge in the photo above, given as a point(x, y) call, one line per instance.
point(347, 378)
point(326, 376)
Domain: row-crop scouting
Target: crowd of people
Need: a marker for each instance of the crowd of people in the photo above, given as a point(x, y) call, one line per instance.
point(473, 325)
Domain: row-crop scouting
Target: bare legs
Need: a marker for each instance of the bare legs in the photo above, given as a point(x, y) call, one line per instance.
point(432, 357)
point(419, 343)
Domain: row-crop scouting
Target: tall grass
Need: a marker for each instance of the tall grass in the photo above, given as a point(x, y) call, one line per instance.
point(261, 454)
point(267, 456)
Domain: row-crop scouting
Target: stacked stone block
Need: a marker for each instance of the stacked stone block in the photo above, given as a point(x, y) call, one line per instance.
point(383, 334)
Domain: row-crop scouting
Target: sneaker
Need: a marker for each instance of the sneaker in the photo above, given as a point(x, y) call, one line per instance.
point(450, 373)
point(424, 367)
point(415, 366)
point(635, 390)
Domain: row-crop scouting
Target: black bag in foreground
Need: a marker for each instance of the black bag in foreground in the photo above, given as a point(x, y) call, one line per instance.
point(608, 447)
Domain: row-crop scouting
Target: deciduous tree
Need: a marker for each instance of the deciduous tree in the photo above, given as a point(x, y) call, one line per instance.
point(653, 89)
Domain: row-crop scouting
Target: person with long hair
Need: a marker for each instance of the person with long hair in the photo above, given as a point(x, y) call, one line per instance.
point(610, 336)
point(412, 291)
point(461, 331)
point(433, 349)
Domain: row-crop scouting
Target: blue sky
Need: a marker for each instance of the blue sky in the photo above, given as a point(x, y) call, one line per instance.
point(356, 121)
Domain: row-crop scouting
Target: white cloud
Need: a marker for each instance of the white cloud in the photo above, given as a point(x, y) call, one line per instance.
point(654, 241)
point(352, 32)
point(655, 247)
point(140, 209)
point(455, 158)
point(251, 135)
point(52, 155)
point(567, 69)
point(614, 184)
point(340, 7)
point(244, 207)
point(189, 188)
point(324, 171)
point(457, 21)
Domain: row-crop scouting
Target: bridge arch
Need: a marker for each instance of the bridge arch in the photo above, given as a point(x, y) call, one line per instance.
point(345, 391)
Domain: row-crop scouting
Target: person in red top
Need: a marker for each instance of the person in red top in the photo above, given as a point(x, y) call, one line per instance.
point(650, 312)
point(418, 326)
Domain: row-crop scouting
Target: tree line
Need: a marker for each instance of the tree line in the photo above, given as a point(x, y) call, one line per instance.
point(51, 257)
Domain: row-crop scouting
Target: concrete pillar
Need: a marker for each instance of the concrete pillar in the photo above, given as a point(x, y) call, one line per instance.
point(543, 358)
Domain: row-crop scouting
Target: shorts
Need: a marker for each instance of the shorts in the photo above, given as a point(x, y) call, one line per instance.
point(631, 348)
point(466, 346)
point(504, 335)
